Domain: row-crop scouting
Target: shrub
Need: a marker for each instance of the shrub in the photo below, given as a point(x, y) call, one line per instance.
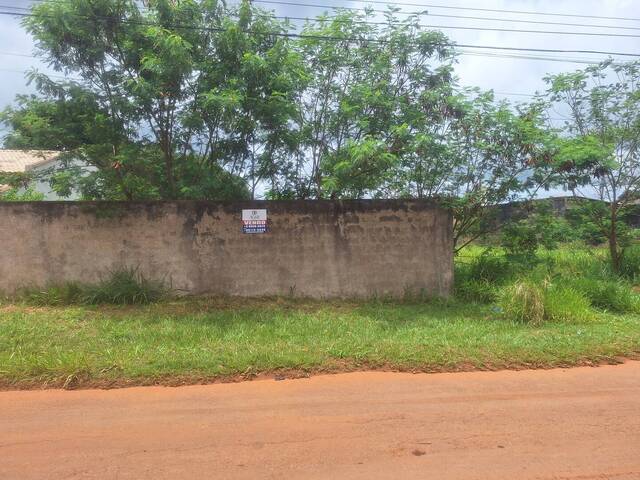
point(520, 240)
point(566, 304)
point(491, 268)
point(523, 302)
point(124, 287)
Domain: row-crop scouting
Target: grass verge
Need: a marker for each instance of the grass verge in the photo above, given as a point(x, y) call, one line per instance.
point(204, 340)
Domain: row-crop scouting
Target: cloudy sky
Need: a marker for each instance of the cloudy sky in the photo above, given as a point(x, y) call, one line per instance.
point(506, 75)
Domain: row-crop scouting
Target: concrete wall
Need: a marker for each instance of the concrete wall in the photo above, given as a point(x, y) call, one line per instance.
point(352, 248)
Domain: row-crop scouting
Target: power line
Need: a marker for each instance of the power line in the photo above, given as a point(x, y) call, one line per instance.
point(348, 39)
point(469, 18)
point(484, 29)
point(477, 9)
point(429, 14)
point(450, 7)
point(584, 61)
point(460, 52)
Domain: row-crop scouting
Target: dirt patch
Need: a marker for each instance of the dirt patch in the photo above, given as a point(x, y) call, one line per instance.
point(529, 425)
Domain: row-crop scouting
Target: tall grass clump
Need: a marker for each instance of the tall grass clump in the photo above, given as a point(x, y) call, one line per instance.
point(566, 304)
point(523, 302)
point(533, 302)
point(121, 287)
point(124, 287)
point(630, 264)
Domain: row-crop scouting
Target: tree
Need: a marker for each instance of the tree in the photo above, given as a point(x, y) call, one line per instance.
point(369, 89)
point(479, 155)
point(167, 95)
point(490, 157)
point(598, 149)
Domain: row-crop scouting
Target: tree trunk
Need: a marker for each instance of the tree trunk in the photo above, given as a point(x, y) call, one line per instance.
point(613, 241)
point(165, 146)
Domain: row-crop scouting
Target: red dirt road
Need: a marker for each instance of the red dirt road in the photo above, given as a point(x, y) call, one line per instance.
point(581, 423)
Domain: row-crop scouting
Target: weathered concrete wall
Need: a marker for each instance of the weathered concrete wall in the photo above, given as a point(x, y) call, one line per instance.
point(313, 248)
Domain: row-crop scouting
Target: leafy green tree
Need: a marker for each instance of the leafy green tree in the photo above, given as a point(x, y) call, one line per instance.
point(490, 154)
point(168, 94)
point(598, 150)
point(370, 90)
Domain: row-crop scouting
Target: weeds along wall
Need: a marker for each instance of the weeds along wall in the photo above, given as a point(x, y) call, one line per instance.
point(356, 248)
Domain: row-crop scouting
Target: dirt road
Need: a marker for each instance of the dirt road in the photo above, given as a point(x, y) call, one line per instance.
point(581, 423)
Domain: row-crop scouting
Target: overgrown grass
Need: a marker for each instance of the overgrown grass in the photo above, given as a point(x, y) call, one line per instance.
point(577, 274)
point(192, 340)
point(119, 287)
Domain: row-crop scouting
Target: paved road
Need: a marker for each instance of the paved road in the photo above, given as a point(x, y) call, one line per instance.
point(581, 423)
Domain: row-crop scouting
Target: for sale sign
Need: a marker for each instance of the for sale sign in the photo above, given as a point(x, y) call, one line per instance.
point(254, 221)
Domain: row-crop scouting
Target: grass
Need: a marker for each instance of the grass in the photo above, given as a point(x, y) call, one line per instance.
point(119, 287)
point(563, 308)
point(193, 340)
point(487, 276)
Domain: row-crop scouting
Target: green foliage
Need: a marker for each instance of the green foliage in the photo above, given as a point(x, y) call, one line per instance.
point(540, 228)
point(479, 275)
point(491, 267)
point(592, 221)
point(367, 108)
point(478, 291)
point(161, 111)
point(120, 287)
point(18, 187)
point(607, 294)
point(572, 279)
point(534, 301)
point(21, 195)
point(598, 149)
point(520, 240)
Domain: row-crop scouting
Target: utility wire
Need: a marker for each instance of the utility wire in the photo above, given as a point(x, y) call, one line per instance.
point(449, 7)
point(454, 27)
point(344, 39)
point(428, 14)
point(487, 29)
point(477, 9)
point(460, 52)
point(548, 58)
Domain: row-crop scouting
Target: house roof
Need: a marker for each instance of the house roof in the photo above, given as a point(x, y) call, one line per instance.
point(16, 161)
